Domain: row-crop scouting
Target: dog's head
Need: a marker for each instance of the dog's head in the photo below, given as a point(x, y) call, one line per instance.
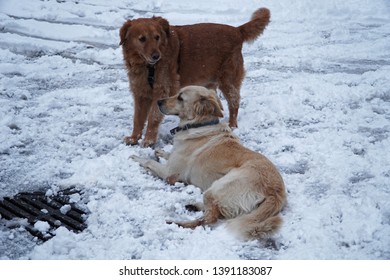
point(145, 37)
point(193, 104)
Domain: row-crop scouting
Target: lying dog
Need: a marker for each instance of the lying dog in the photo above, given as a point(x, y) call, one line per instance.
point(239, 184)
point(161, 58)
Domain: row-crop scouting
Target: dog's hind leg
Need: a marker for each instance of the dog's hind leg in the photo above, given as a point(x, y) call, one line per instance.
point(210, 216)
point(229, 82)
point(195, 207)
point(232, 96)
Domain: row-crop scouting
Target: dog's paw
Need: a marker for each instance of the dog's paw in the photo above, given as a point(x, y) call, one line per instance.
point(138, 159)
point(233, 123)
point(190, 224)
point(131, 140)
point(161, 154)
point(172, 179)
point(148, 143)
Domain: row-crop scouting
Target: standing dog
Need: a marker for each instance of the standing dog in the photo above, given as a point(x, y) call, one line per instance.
point(161, 58)
point(240, 185)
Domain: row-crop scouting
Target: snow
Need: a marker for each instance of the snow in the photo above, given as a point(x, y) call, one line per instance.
point(65, 209)
point(42, 226)
point(315, 100)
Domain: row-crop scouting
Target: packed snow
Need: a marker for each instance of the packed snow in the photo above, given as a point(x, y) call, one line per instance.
point(315, 100)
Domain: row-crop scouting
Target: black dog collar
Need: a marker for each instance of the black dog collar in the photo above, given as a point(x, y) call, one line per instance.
point(195, 125)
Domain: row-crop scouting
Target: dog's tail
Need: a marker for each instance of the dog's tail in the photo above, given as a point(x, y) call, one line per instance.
point(261, 223)
point(255, 27)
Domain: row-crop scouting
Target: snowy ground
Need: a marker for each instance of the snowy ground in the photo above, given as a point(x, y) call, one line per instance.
point(315, 100)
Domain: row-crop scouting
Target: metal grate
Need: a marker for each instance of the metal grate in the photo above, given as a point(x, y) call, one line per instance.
point(55, 210)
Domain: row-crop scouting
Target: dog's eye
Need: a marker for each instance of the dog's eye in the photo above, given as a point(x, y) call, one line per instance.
point(180, 98)
point(142, 39)
point(157, 37)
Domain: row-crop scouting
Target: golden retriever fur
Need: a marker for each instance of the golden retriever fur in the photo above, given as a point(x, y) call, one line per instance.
point(161, 58)
point(240, 185)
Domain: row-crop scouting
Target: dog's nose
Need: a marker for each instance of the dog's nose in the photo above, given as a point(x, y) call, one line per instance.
point(155, 56)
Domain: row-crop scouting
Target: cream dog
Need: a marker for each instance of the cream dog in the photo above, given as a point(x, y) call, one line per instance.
point(240, 185)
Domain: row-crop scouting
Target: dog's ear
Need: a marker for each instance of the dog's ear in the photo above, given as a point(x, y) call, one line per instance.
point(208, 105)
point(123, 32)
point(164, 24)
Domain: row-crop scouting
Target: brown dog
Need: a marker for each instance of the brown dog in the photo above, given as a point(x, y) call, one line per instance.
point(161, 58)
point(239, 184)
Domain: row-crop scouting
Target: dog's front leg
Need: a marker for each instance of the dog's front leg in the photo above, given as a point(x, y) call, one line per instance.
point(155, 167)
point(154, 120)
point(141, 110)
point(158, 169)
point(162, 154)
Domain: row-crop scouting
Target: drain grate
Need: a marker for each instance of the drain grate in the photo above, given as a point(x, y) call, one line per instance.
point(56, 211)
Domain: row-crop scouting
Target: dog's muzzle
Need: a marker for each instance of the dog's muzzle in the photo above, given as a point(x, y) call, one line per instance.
point(154, 58)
